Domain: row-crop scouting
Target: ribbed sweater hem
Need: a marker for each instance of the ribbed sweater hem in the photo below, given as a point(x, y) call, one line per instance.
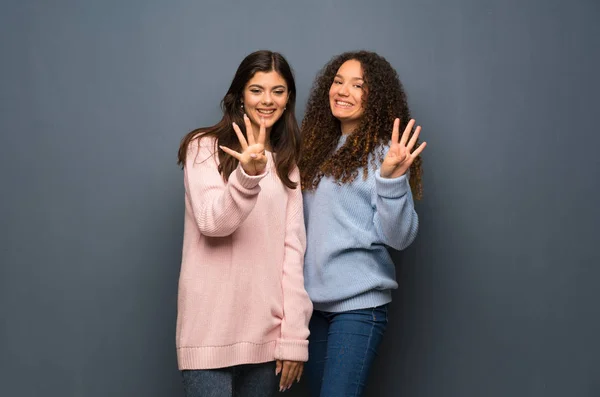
point(208, 357)
point(363, 301)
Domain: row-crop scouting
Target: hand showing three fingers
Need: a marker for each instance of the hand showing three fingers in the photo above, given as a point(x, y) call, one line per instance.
point(252, 159)
point(399, 157)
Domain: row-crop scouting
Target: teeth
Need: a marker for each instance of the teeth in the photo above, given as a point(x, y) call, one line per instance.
point(265, 111)
point(343, 103)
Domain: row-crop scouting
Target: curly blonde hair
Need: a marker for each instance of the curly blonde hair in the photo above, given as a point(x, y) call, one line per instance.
point(385, 100)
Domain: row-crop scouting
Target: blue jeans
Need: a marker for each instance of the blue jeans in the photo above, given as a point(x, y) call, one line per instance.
point(248, 380)
point(342, 347)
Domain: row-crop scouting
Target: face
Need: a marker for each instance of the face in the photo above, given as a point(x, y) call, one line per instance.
point(265, 95)
point(345, 95)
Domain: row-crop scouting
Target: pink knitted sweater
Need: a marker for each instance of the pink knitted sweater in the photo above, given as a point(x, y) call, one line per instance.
point(241, 287)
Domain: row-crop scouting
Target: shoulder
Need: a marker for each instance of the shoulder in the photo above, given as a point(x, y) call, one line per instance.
point(202, 148)
point(202, 142)
point(295, 174)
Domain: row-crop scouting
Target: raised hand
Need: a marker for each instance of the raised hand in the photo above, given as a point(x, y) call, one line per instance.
point(399, 158)
point(252, 158)
point(290, 371)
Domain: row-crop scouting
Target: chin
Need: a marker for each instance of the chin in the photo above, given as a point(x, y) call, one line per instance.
point(269, 122)
point(337, 115)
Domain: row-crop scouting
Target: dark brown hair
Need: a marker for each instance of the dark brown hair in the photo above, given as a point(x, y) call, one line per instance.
point(384, 100)
point(285, 134)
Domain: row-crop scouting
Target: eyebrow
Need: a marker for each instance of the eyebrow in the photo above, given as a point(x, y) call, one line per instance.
point(260, 86)
point(353, 78)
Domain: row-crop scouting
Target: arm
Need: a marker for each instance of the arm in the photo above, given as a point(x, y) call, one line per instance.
point(218, 207)
point(395, 219)
point(297, 307)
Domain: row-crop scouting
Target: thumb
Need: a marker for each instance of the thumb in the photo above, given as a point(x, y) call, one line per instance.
point(278, 365)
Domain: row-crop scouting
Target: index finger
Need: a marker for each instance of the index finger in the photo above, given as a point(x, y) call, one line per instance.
point(240, 136)
point(285, 375)
point(395, 130)
point(249, 130)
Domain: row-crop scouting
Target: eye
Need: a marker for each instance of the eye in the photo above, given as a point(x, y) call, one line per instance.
point(337, 82)
point(358, 85)
point(255, 90)
point(279, 92)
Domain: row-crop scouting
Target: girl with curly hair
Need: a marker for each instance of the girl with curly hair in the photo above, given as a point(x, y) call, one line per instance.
point(243, 311)
point(359, 174)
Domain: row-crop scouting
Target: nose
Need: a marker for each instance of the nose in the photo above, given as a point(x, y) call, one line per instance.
point(267, 99)
point(343, 91)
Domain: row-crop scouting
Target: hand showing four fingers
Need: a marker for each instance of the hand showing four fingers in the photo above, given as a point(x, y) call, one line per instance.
point(399, 157)
point(252, 159)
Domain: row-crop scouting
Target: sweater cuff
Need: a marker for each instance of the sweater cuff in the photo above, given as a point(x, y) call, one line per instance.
point(249, 181)
point(391, 187)
point(291, 350)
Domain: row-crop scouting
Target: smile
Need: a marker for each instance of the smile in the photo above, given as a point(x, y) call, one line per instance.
point(265, 111)
point(343, 104)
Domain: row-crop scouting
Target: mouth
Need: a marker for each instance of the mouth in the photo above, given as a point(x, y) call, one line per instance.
point(265, 112)
point(343, 104)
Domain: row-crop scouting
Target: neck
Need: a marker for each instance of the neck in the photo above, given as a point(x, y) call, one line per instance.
point(348, 127)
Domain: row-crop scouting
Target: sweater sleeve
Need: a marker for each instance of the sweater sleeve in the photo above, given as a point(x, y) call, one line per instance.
point(297, 307)
point(219, 208)
point(396, 220)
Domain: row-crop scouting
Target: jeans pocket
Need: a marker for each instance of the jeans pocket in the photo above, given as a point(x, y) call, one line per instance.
point(379, 314)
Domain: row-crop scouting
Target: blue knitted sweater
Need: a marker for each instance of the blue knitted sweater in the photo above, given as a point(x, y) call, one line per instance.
point(347, 265)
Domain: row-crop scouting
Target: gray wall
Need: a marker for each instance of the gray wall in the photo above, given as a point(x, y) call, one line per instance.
point(498, 294)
